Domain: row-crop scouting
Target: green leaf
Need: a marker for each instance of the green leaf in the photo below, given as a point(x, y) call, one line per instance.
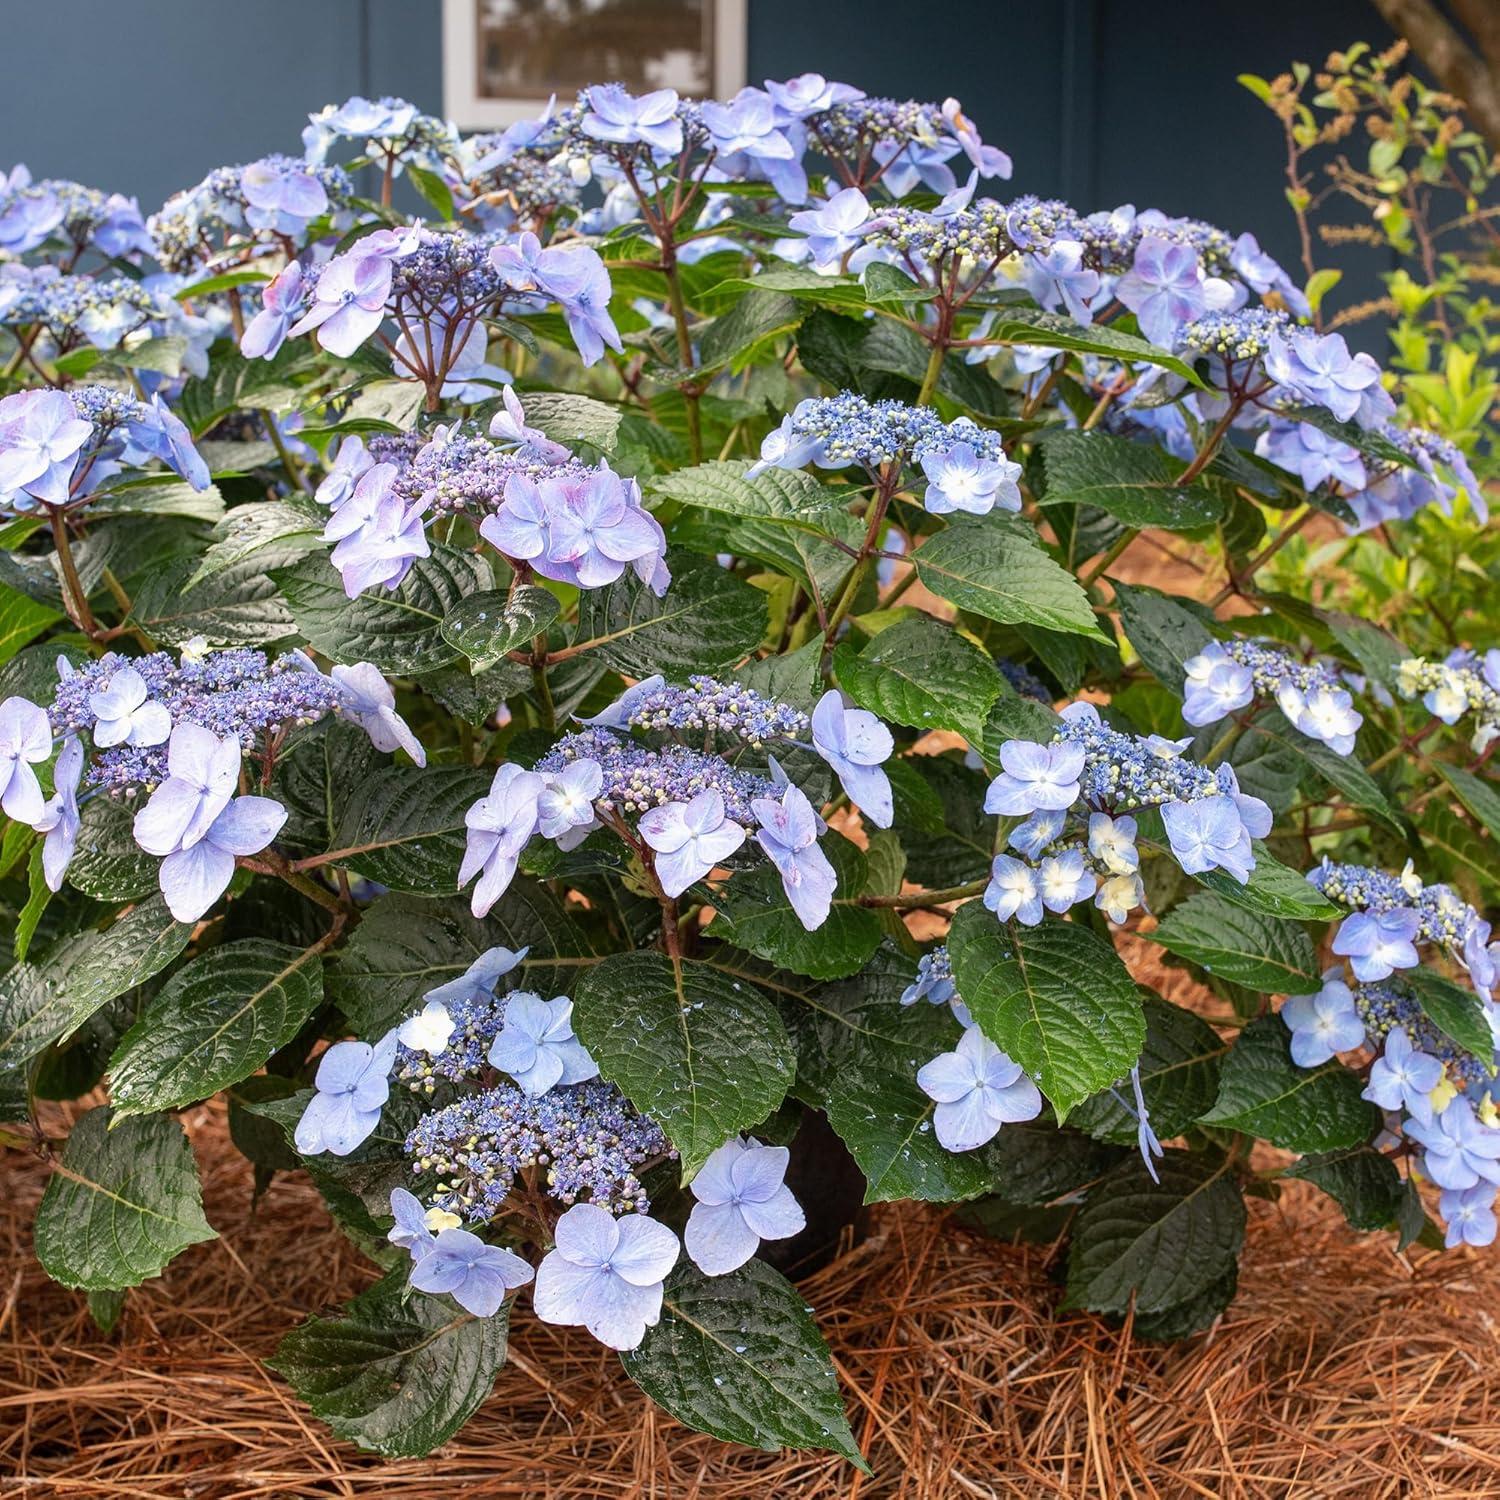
point(38, 898)
point(1273, 890)
point(1377, 652)
point(1155, 1244)
point(21, 618)
point(238, 606)
point(1342, 772)
point(799, 282)
point(887, 283)
point(739, 1357)
point(1455, 1010)
point(755, 914)
point(755, 318)
point(787, 496)
point(1044, 330)
point(1136, 483)
point(1360, 1180)
point(1263, 1092)
point(924, 674)
point(1177, 1321)
point(1179, 1066)
point(708, 621)
point(214, 1022)
point(1164, 632)
point(1475, 793)
point(1056, 998)
point(398, 1372)
point(1004, 575)
point(269, 527)
point(400, 630)
point(46, 1000)
point(107, 863)
point(121, 1203)
point(485, 626)
point(152, 495)
point(704, 1056)
point(434, 190)
point(408, 945)
point(404, 827)
point(378, 406)
point(567, 418)
point(1261, 952)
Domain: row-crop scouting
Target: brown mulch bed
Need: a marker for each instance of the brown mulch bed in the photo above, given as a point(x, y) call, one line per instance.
point(1340, 1369)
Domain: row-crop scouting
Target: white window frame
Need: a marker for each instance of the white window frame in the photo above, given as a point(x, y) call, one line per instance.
point(465, 109)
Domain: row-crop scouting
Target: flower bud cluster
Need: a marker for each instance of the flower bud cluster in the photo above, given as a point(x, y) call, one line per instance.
point(1462, 685)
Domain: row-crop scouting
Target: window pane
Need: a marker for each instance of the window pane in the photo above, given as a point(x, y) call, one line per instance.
point(532, 48)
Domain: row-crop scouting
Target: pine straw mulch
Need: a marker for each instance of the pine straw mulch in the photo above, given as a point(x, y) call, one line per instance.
point(1340, 1369)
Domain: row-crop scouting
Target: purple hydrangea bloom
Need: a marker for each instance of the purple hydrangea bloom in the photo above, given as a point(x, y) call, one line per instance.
point(989, 161)
point(595, 531)
point(1065, 880)
point(377, 534)
point(1321, 371)
point(1209, 834)
point(159, 432)
point(961, 478)
point(348, 302)
point(835, 229)
point(499, 826)
point(1469, 1214)
point(369, 700)
point(855, 743)
point(1058, 277)
point(194, 876)
point(1460, 1151)
point(1035, 778)
point(1323, 1024)
point(354, 461)
point(977, 1089)
point(809, 94)
point(1377, 943)
point(536, 1046)
point(1311, 454)
point(125, 715)
point(480, 979)
point(1403, 1076)
point(410, 1232)
point(282, 195)
point(352, 1085)
point(1323, 713)
point(789, 836)
point(280, 307)
point(747, 131)
point(786, 448)
point(509, 426)
point(1012, 891)
point(689, 839)
point(742, 1199)
point(59, 819)
point(1112, 843)
point(41, 435)
point(1037, 832)
point(202, 771)
point(1216, 685)
point(25, 740)
point(617, 117)
point(477, 1276)
point(1163, 288)
point(565, 805)
point(606, 1274)
point(429, 1030)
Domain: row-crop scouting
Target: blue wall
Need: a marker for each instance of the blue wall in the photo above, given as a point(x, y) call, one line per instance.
point(1098, 101)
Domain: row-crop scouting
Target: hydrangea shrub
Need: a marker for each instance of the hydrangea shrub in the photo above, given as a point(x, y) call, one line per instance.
point(495, 696)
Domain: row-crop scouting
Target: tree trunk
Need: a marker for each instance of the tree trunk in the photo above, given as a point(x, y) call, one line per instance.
point(1455, 65)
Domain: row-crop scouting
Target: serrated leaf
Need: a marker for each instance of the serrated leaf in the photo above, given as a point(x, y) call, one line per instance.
point(270, 527)
point(1003, 575)
point(703, 1055)
point(1273, 890)
point(1182, 1318)
point(1363, 1182)
point(750, 322)
point(1261, 952)
point(152, 495)
point(739, 1357)
point(408, 945)
point(21, 618)
point(120, 1204)
point(238, 606)
point(1044, 330)
point(1476, 794)
point(397, 1372)
point(1179, 1067)
point(1342, 772)
point(1164, 632)
point(43, 1001)
point(755, 914)
point(213, 1023)
point(567, 418)
point(1264, 1093)
point(789, 496)
point(1456, 1011)
point(487, 625)
point(923, 674)
point(708, 621)
point(1056, 998)
point(404, 827)
point(107, 862)
point(1136, 483)
point(400, 630)
point(1155, 1244)
point(1377, 652)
